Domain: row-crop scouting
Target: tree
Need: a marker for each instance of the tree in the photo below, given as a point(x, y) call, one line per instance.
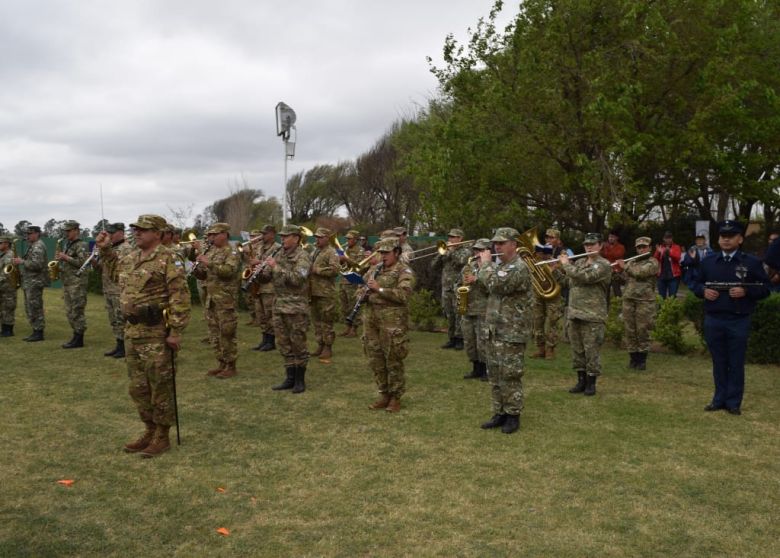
point(309, 195)
point(243, 209)
point(20, 229)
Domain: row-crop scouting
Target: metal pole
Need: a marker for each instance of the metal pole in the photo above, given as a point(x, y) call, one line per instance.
point(284, 205)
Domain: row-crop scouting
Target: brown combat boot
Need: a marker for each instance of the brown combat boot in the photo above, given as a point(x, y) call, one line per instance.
point(540, 352)
point(143, 441)
point(318, 352)
point(326, 354)
point(346, 331)
point(380, 403)
point(351, 332)
point(394, 405)
point(550, 353)
point(217, 370)
point(228, 371)
point(160, 443)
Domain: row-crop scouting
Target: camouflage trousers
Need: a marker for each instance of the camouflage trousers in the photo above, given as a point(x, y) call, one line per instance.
point(264, 306)
point(386, 344)
point(347, 300)
point(547, 321)
point(33, 306)
point(7, 306)
point(150, 372)
point(638, 322)
point(586, 339)
point(450, 307)
point(290, 333)
point(473, 341)
point(223, 324)
point(323, 314)
point(505, 374)
point(115, 317)
point(75, 297)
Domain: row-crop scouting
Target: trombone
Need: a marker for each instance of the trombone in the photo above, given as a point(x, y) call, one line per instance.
point(191, 237)
point(359, 267)
point(440, 247)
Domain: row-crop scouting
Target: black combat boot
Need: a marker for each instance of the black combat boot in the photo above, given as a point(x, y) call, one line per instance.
point(579, 387)
point(450, 344)
point(483, 376)
point(632, 360)
point(494, 422)
point(271, 345)
point(289, 380)
point(474, 371)
point(263, 343)
point(113, 351)
point(458, 344)
point(590, 385)
point(37, 335)
point(76, 342)
point(300, 379)
point(8, 331)
point(641, 362)
point(120, 346)
point(511, 424)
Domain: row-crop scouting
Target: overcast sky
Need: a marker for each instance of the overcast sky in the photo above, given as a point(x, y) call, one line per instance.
point(166, 102)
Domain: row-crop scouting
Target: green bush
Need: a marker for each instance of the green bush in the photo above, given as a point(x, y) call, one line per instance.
point(669, 326)
point(764, 342)
point(424, 311)
point(693, 308)
point(615, 327)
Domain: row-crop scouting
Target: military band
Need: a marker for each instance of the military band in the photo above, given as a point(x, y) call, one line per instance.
point(353, 253)
point(472, 298)
point(322, 293)
point(452, 261)
point(116, 235)
point(263, 288)
point(8, 286)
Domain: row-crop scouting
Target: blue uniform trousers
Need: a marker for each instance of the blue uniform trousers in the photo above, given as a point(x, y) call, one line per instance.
point(727, 341)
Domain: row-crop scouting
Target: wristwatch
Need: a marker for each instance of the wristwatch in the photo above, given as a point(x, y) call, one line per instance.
point(381, 289)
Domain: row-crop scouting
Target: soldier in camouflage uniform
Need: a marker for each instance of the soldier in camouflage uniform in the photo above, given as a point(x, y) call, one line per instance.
point(639, 303)
point(508, 320)
point(248, 255)
point(589, 279)
point(549, 311)
point(322, 292)
point(289, 271)
point(353, 253)
point(116, 234)
point(7, 289)
point(218, 267)
point(152, 291)
point(473, 321)
point(264, 289)
point(35, 276)
point(74, 285)
point(407, 252)
point(452, 262)
point(389, 285)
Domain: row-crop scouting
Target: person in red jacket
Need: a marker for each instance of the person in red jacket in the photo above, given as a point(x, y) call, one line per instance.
point(613, 251)
point(668, 255)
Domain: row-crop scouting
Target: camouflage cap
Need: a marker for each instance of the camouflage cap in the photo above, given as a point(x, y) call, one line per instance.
point(352, 234)
point(399, 230)
point(386, 245)
point(555, 233)
point(592, 238)
point(287, 230)
point(456, 232)
point(268, 228)
point(322, 232)
point(730, 228)
point(388, 233)
point(255, 232)
point(643, 241)
point(218, 228)
point(5, 239)
point(150, 221)
point(481, 244)
point(33, 229)
point(505, 234)
point(70, 225)
point(113, 227)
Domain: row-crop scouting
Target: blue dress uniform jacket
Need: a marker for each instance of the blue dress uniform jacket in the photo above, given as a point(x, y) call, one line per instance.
point(727, 321)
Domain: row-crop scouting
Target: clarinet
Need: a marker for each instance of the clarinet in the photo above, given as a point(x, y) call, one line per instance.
point(363, 298)
point(258, 270)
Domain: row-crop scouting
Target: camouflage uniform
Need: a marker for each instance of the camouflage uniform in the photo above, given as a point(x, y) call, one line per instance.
point(74, 287)
point(7, 291)
point(148, 284)
point(291, 306)
point(322, 290)
point(589, 282)
point(547, 316)
point(386, 326)
point(264, 291)
point(347, 290)
point(35, 276)
point(473, 321)
point(407, 253)
point(452, 262)
point(639, 304)
point(111, 292)
point(221, 299)
point(508, 322)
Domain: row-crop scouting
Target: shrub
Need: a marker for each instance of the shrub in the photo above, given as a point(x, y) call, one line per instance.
point(424, 311)
point(764, 341)
point(669, 326)
point(615, 327)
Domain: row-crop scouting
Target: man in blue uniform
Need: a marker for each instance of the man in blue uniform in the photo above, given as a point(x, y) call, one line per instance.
point(730, 282)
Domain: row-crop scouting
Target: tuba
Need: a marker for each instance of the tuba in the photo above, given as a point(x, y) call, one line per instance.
point(54, 265)
point(12, 270)
point(542, 278)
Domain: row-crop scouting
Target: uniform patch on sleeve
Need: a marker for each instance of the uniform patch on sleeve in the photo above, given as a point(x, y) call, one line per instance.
point(501, 273)
point(177, 263)
point(510, 266)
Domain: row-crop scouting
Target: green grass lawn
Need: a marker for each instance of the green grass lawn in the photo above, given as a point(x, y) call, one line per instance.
point(638, 470)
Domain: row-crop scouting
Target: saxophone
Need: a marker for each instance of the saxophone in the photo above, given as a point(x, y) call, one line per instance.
point(54, 265)
point(12, 270)
point(462, 294)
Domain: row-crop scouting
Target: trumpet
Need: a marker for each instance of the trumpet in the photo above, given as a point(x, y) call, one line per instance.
point(54, 265)
point(252, 239)
point(359, 267)
point(12, 270)
point(191, 237)
point(441, 248)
